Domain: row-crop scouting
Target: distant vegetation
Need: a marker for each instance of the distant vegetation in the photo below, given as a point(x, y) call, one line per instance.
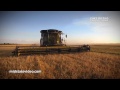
point(6, 43)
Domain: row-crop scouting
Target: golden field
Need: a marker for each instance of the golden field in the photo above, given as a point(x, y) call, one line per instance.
point(103, 62)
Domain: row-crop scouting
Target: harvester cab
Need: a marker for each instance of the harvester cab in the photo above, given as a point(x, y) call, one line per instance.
point(52, 37)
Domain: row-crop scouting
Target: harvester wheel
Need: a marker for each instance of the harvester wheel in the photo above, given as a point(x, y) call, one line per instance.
point(88, 47)
point(59, 50)
point(69, 50)
point(78, 49)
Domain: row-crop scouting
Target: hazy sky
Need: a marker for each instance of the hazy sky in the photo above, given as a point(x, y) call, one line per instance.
point(81, 27)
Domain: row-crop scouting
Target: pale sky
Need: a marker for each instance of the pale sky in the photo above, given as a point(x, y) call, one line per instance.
point(81, 27)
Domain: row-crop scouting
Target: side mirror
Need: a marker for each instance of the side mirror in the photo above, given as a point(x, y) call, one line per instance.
point(66, 36)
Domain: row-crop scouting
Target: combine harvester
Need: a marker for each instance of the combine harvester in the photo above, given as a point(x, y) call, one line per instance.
point(51, 42)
